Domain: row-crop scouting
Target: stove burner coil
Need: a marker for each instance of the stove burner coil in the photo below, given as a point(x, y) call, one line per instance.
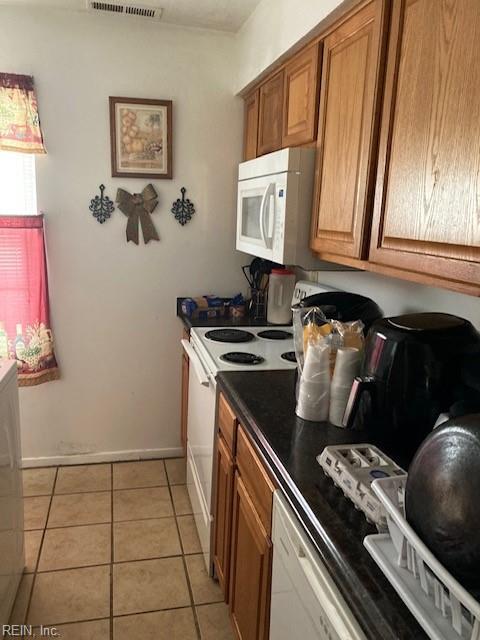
point(274, 334)
point(289, 356)
point(241, 357)
point(230, 335)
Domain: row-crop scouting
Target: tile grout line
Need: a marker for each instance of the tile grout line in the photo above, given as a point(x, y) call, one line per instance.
point(100, 522)
point(185, 568)
point(27, 610)
point(109, 562)
point(120, 615)
point(88, 491)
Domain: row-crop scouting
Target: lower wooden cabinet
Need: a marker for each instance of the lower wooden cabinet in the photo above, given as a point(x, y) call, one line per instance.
point(250, 568)
point(242, 547)
point(223, 514)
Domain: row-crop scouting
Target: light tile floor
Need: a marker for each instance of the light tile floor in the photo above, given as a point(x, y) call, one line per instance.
point(112, 553)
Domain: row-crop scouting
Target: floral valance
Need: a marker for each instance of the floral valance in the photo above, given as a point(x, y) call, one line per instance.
point(19, 121)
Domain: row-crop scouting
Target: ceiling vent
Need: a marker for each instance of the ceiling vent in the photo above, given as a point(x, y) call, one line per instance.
point(129, 10)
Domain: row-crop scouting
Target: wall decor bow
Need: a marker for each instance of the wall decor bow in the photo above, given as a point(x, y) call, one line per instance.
point(183, 209)
point(138, 207)
point(101, 206)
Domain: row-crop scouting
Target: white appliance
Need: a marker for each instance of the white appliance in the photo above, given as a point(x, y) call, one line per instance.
point(207, 358)
point(305, 601)
point(274, 207)
point(12, 559)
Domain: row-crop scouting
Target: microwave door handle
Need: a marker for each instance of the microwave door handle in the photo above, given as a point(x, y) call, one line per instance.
point(272, 212)
point(197, 365)
point(263, 211)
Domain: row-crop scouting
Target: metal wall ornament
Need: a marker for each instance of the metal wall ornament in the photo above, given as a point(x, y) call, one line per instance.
point(138, 207)
point(101, 206)
point(183, 209)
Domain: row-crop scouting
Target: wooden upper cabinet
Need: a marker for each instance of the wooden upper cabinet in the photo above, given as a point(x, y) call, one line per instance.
point(250, 131)
point(347, 131)
point(270, 115)
point(427, 200)
point(300, 98)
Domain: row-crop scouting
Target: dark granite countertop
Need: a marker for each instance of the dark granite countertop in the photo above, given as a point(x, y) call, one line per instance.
point(246, 321)
point(290, 446)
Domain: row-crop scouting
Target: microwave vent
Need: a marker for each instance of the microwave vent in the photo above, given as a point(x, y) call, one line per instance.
point(128, 10)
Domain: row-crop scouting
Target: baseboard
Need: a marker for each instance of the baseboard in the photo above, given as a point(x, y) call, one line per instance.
point(103, 456)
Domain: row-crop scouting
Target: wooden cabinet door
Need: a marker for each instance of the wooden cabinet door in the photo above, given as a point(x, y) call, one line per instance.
point(427, 200)
point(184, 410)
point(255, 478)
point(250, 126)
point(250, 569)
point(347, 129)
point(270, 115)
point(223, 514)
point(300, 98)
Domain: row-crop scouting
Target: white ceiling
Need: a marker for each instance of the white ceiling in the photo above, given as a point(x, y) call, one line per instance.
point(224, 15)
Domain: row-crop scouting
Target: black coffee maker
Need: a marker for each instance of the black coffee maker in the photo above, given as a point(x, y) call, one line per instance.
point(411, 372)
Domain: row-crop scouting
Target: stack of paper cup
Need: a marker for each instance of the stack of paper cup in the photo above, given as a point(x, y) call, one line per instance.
point(347, 366)
point(314, 386)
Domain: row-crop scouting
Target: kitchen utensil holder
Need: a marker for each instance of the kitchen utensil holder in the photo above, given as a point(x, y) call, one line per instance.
point(258, 304)
point(444, 609)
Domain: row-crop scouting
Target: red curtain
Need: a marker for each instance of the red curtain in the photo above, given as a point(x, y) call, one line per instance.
point(25, 333)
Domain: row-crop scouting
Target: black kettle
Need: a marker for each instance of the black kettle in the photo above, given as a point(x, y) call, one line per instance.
point(344, 306)
point(411, 372)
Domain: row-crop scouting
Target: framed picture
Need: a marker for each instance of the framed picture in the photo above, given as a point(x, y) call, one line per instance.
point(141, 138)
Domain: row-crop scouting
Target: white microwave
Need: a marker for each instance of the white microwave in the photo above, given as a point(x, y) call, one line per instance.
point(274, 207)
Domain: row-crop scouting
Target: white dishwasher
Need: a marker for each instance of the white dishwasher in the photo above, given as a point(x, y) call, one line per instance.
point(12, 559)
point(306, 603)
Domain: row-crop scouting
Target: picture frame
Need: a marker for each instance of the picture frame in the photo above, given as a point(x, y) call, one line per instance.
point(141, 138)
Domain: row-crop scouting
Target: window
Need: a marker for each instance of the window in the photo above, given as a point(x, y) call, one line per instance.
point(17, 184)
point(25, 333)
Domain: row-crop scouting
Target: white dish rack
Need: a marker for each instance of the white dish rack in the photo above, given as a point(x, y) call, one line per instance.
point(444, 609)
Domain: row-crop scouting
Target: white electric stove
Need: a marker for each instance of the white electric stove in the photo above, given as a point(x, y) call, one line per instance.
point(211, 350)
point(246, 348)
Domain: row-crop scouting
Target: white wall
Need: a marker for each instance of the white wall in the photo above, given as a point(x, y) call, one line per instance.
point(113, 304)
point(272, 29)
point(399, 296)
